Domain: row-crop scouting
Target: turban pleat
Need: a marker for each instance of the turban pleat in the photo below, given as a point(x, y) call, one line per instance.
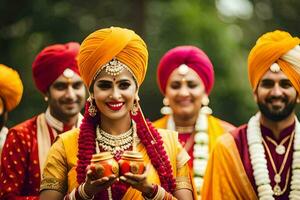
point(52, 61)
point(105, 44)
point(291, 74)
point(271, 48)
point(11, 87)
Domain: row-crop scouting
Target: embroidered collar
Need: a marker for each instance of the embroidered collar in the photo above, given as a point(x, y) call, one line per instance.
point(285, 132)
point(58, 125)
point(3, 134)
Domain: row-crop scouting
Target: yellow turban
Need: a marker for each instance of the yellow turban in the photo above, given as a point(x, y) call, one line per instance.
point(275, 47)
point(11, 88)
point(103, 45)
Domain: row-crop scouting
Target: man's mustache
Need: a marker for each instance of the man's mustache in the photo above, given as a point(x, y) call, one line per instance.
point(272, 98)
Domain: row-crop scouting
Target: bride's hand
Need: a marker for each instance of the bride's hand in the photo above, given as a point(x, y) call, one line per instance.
point(138, 181)
point(94, 184)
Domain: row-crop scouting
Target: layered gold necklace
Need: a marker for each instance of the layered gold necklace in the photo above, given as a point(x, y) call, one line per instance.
point(116, 144)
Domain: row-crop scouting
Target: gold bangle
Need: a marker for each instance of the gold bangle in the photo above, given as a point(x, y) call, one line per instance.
point(83, 194)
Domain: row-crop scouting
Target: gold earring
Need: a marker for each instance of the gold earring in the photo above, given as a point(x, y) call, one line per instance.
point(46, 98)
point(166, 110)
point(205, 109)
point(135, 108)
point(92, 109)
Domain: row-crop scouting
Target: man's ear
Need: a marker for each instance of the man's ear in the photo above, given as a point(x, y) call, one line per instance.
point(2, 106)
point(47, 95)
point(255, 95)
point(298, 99)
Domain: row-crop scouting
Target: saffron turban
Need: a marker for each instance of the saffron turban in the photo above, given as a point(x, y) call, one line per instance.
point(275, 47)
point(11, 87)
point(52, 61)
point(191, 56)
point(103, 45)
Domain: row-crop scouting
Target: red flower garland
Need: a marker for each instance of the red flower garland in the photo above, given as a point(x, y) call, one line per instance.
point(86, 143)
point(148, 135)
point(153, 143)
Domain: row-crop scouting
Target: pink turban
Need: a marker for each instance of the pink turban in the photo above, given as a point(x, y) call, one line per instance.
point(52, 61)
point(193, 57)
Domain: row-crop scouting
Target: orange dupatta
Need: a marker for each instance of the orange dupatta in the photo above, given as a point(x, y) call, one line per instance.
point(225, 176)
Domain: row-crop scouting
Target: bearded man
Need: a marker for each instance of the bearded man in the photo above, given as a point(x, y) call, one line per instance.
point(261, 159)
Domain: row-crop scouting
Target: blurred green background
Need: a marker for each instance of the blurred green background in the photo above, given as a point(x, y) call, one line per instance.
point(225, 29)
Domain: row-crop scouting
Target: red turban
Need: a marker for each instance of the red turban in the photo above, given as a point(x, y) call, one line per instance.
point(193, 57)
point(52, 61)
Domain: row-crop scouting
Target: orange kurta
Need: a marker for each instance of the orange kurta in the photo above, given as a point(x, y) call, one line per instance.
point(225, 176)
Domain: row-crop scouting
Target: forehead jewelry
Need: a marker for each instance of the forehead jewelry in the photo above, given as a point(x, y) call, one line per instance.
point(114, 67)
point(68, 73)
point(183, 69)
point(275, 68)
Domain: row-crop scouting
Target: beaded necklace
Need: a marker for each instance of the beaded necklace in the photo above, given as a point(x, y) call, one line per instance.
point(259, 161)
point(200, 148)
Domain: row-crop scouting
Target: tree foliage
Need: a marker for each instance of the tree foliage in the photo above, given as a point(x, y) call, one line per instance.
point(28, 26)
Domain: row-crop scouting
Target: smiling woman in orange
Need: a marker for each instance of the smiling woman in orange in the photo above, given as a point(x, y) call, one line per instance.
point(185, 76)
point(113, 64)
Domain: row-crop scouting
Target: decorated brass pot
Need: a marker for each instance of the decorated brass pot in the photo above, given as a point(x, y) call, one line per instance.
point(105, 164)
point(131, 161)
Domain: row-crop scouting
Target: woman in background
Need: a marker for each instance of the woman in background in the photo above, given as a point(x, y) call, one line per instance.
point(185, 77)
point(113, 64)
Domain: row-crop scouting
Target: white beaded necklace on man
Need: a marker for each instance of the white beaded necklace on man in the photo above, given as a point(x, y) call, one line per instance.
point(259, 161)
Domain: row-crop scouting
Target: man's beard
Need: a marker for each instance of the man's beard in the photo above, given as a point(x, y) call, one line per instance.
point(277, 115)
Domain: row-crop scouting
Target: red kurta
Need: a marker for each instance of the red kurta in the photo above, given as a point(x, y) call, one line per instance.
point(240, 137)
point(20, 170)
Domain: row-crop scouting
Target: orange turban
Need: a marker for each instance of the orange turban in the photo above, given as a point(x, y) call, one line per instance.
point(275, 47)
point(103, 45)
point(11, 87)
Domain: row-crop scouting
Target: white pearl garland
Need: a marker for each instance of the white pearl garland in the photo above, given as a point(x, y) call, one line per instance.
point(200, 149)
point(259, 161)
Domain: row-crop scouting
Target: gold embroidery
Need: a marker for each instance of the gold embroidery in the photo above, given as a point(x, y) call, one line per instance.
point(53, 184)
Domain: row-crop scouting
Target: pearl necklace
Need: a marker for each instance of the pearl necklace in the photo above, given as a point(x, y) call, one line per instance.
point(259, 161)
point(200, 149)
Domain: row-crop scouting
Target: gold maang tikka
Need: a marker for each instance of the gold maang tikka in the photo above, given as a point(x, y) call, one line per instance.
point(114, 67)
